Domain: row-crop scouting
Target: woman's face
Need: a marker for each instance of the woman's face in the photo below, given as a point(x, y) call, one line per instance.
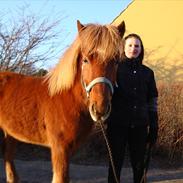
point(132, 47)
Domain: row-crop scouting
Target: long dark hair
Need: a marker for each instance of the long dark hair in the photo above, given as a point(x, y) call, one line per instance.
point(141, 56)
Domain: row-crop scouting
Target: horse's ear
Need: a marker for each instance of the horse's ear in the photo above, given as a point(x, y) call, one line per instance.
point(79, 26)
point(121, 28)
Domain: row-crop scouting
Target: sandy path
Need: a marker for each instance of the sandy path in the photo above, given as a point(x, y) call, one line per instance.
point(40, 172)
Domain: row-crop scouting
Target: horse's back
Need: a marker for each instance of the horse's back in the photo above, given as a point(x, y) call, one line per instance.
point(13, 81)
point(21, 113)
point(6, 77)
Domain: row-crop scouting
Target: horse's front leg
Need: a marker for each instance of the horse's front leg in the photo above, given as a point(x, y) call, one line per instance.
point(9, 148)
point(60, 163)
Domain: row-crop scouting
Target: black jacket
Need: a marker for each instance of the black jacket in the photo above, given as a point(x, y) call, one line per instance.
point(134, 100)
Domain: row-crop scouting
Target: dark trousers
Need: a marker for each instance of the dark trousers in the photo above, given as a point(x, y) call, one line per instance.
point(136, 138)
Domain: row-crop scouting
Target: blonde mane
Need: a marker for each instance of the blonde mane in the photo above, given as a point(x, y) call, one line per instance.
point(101, 41)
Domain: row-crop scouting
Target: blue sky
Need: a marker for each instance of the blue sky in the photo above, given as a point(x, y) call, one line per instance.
point(87, 11)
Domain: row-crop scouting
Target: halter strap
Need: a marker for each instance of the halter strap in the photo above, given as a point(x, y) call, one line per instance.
point(98, 80)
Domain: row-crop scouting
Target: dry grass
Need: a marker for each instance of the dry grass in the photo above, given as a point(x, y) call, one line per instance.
point(170, 142)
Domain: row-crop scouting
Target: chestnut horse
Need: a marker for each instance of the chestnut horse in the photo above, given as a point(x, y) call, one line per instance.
point(58, 110)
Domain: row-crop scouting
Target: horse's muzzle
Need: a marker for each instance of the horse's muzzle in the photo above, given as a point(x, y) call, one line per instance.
point(100, 115)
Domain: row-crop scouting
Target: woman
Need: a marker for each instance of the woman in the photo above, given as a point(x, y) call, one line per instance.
point(134, 119)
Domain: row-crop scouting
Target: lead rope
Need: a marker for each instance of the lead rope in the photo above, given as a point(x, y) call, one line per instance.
point(109, 151)
point(146, 163)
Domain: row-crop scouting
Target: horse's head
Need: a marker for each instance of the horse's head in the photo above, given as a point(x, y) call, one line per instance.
point(101, 50)
point(92, 58)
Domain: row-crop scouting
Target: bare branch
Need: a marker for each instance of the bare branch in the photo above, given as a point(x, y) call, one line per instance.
point(27, 41)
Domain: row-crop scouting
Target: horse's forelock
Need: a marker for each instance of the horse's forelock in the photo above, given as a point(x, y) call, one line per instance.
point(102, 41)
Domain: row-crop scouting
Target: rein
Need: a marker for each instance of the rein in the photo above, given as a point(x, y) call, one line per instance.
point(109, 150)
point(146, 163)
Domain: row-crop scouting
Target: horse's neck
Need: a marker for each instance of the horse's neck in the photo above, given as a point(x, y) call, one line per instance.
point(75, 97)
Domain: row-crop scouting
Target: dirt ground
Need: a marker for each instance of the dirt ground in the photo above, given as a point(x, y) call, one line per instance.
point(34, 166)
point(40, 172)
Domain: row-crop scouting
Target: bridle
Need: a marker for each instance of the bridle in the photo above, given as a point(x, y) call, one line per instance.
point(88, 88)
point(94, 82)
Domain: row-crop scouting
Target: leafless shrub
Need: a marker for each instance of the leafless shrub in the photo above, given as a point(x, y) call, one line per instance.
point(27, 41)
point(171, 120)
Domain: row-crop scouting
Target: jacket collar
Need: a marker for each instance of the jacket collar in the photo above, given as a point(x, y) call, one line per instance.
point(134, 62)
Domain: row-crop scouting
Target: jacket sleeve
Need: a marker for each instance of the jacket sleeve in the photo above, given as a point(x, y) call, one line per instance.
point(153, 113)
point(152, 102)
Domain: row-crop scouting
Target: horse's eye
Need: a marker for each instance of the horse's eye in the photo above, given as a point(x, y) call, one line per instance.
point(85, 61)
